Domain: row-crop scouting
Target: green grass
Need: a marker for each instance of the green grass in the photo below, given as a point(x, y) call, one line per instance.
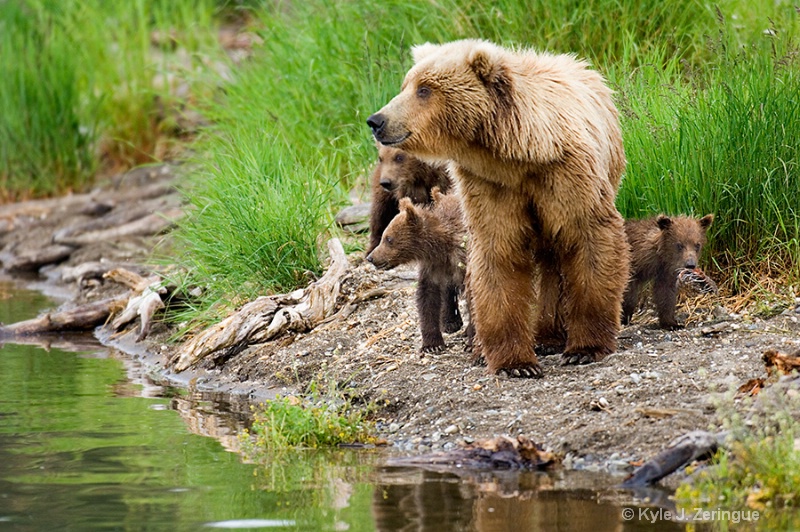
point(46, 135)
point(83, 89)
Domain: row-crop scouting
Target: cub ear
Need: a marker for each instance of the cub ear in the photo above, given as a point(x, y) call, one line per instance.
point(487, 69)
point(705, 221)
point(410, 209)
point(436, 194)
point(664, 222)
point(421, 51)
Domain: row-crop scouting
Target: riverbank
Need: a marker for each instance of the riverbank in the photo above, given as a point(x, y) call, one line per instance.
point(659, 384)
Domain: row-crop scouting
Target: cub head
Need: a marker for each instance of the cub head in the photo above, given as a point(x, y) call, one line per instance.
point(403, 175)
point(446, 98)
point(682, 239)
point(399, 243)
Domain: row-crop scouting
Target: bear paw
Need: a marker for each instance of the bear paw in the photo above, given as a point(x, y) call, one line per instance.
point(542, 350)
point(479, 361)
point(534, 371)
point(579, 359)
point(452, 326)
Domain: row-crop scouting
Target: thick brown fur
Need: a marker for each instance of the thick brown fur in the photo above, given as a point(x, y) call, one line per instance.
point(535, 149)
point(435, 237)
point(660, 248)
point(400, 175)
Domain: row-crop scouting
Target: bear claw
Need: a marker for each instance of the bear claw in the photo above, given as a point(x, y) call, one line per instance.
point(577, 359)
point(433, 348)
point(527, 372)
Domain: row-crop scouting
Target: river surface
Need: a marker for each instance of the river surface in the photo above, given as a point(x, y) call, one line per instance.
point(86, 443)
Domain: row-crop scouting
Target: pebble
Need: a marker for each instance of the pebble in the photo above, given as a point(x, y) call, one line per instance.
point(436, 437)
point(452, 429)
point(635, 378)
point(394, 427)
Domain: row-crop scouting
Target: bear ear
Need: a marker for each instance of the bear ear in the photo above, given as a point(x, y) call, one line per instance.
point(436, 194)
point(705, 221)
point(664, 222)
point(422, 51)
point(487, 70)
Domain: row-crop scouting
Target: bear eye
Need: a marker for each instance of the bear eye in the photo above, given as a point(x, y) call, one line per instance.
point(423, 92)
point(697, 247)
point(399, 158)
point(390, 240)
point(679, 247)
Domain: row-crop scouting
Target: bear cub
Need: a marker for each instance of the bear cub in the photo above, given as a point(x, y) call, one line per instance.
point(661, 248)
point(400, 175)
point(435, 237)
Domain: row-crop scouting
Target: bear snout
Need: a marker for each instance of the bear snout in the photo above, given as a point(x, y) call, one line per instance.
point(387, 184)
point(385, 133)
point(377, 122)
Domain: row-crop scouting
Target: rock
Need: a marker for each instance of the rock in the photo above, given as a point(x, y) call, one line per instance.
point(354, 215)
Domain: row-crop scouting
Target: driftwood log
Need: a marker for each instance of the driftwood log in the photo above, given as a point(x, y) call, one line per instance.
point(80, 318)
point(268, 316)
point(680, 453)
point(142, 300)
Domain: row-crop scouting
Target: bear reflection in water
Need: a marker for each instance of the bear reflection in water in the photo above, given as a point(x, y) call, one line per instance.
point(421, 500)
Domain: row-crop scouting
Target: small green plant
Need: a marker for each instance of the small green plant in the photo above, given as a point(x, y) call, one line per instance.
point(317, 421)
point(759, 470)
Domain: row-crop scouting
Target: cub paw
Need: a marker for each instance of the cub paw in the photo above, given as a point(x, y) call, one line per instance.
point(579, 359)
point(432, 348)
point(542, 350)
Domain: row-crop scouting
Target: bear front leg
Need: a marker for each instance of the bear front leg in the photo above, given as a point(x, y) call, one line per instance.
point(630, 300)
point(595, 273)
point(665, 296)
point(501, 278)
point(451, 317)
point(429, 308)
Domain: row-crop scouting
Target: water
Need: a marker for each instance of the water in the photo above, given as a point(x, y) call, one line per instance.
point(84, 447)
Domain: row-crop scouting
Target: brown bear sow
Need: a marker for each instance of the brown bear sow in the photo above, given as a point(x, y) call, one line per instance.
point(534, 145)
point(660, 248)
point(434, 236)
point(400, 175)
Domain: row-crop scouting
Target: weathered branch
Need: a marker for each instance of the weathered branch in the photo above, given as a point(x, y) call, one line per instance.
point(83, 317)
point(268, 316)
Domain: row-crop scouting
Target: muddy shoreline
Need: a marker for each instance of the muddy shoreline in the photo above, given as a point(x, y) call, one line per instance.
point(604, 416)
